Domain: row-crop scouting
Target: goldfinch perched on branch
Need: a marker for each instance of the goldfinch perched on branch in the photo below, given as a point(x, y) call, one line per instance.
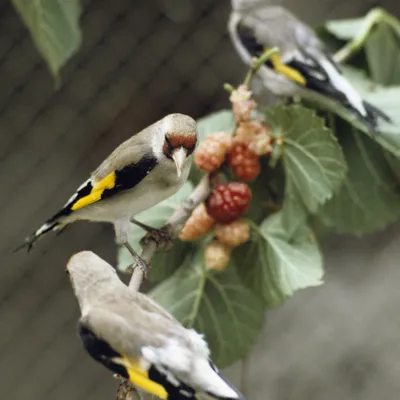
point(302, 64)
point(144, 170)
point(134, 337)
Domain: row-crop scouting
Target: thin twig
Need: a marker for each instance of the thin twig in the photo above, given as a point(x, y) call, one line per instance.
point(138, 274)
point(228, 87)
point(176, 221)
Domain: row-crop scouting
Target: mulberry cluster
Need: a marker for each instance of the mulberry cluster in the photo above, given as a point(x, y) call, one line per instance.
point(222, 211)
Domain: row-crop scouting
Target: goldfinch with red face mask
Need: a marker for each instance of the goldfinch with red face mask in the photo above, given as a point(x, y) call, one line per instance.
point(143, 171)
point(134, 337)
point(303, 67)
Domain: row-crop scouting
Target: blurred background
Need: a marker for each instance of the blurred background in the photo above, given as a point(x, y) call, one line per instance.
point(139, 61)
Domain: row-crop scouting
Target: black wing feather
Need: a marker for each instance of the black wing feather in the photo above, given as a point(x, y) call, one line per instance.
point(125, 178)
point(131, 175)
point(101, 351)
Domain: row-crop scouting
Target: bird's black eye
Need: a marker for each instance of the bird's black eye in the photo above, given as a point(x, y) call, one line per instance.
point(169, 144)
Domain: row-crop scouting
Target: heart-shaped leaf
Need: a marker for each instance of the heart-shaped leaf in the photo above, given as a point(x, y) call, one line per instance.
point(275, 263)
point(54, 27)
point(313, 160)
point(369, 200)
point(218, 305)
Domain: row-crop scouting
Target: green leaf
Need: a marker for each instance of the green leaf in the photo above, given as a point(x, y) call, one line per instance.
point(379, 33)
point(312, 158)
point(218, 305)
point(369, 200)
point(383, 54)
point(345, 29)
point(359, 79)
point(264, 197)
point(394, 164)
point(220, 121)
point(163, 263)
point(293, 210)
point(386, 99)
point(257, 273)
point(275, 263)
point(54, 27)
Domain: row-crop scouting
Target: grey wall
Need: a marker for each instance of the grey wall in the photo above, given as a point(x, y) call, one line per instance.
point(140, 60)
point(340, 340)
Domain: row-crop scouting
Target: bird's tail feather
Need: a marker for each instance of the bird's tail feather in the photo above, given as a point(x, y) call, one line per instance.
point(376, 113)
point(335, 86)
point(48, 226)
point(236, 395)
point(371, 120)
point(373, 114)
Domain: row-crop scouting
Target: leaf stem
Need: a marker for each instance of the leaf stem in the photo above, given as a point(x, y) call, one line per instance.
point(228, 87)
point(257, 63)
point(374, 17)
point(197, 301)
point(252, 225)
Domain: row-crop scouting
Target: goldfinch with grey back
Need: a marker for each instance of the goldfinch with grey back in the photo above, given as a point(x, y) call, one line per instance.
point(303, 64)
point(143, 171)
point(131, 335)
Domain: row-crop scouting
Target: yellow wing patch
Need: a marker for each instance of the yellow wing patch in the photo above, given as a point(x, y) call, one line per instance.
point(141, 379)
point(289, 72)
point(95, 195)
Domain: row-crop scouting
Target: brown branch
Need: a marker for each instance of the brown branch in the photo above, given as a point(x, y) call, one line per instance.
point(175, 224)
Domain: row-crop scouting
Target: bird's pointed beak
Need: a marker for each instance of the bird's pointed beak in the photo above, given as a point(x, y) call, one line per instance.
point(179, 156)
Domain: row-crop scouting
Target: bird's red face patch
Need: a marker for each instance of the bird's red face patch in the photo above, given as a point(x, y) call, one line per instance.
point(175, 140)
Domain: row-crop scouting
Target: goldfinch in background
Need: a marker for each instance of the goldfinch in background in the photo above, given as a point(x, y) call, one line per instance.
point(134, 337)
point(302, 65)
point(144, 170)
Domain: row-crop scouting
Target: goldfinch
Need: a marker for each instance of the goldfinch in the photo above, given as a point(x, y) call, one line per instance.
point(144, 170)
point(134, 337)
point(302, 65)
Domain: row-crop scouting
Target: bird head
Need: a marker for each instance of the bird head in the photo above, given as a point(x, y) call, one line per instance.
point(179, 139)
point(86, 269)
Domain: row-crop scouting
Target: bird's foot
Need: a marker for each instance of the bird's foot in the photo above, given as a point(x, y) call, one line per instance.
point(145, 227)
point(161, 236)
point(138, 261)
point(126, 391)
